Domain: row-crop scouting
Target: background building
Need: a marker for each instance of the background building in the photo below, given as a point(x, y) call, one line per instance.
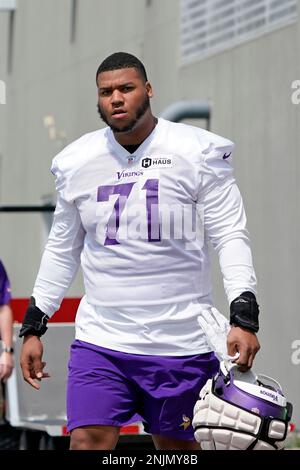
point(240, 55)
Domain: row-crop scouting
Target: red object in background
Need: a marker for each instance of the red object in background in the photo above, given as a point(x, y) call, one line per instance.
point(66, 313)
point(130, 429)
point(292, 427)
point(64, 431)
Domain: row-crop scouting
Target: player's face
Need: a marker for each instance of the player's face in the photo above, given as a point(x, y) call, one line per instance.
point(123, 98)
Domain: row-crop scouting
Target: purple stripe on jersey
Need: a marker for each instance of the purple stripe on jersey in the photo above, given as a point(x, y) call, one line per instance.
point(5, 295)
point(151, 187)
point(104, 192)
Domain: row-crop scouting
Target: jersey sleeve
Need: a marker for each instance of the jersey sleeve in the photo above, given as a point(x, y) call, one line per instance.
point(61, 257)
point(217, 160)
point(225, 219)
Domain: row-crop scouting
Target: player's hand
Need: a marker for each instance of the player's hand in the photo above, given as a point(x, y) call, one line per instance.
point(246, 343)
point(31, 361)
point(6, 365)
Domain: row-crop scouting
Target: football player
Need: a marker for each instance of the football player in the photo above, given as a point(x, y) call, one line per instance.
point(137, 204)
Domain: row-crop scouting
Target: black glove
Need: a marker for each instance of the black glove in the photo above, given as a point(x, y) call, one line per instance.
point(34, 322)
point(244, 312)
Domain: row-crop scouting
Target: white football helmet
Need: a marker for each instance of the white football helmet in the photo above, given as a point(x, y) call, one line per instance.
point(241, 411)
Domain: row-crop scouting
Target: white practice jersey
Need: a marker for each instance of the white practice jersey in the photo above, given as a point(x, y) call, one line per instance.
point(140, 226)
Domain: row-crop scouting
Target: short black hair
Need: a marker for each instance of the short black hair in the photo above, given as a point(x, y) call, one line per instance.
point(122, 60)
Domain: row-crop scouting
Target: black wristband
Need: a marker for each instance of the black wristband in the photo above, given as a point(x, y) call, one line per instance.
point(244, 312)
point(34, 322)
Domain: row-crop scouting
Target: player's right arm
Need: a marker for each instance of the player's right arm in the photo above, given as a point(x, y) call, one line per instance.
point(59, 265)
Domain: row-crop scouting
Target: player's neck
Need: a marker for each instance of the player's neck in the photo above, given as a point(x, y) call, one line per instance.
point(140, 132)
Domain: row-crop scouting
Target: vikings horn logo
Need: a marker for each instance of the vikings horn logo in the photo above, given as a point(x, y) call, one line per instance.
point(186, 422)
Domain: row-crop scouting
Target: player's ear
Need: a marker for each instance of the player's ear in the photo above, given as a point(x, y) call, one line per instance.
point(149, 89)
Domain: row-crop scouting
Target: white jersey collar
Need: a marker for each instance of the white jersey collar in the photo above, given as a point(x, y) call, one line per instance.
point(122, 153)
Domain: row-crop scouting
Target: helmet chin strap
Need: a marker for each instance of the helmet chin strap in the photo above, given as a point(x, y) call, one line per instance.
point(230, 367)
point(271, 380)
point(229, 361)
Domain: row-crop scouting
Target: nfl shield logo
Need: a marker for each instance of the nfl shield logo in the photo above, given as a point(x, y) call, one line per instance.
point(130, 160)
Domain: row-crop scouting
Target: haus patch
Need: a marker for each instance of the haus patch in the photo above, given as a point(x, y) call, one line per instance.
point(164, 161)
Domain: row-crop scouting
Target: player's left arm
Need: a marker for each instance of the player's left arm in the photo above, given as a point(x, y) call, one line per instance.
point(225, 224)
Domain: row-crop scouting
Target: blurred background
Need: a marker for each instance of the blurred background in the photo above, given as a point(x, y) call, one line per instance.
point(240, 56)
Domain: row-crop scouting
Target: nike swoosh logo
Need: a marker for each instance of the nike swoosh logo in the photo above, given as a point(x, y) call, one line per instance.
point(226, 156)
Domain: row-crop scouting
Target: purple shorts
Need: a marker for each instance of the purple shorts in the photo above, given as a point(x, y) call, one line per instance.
point(113, 388)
